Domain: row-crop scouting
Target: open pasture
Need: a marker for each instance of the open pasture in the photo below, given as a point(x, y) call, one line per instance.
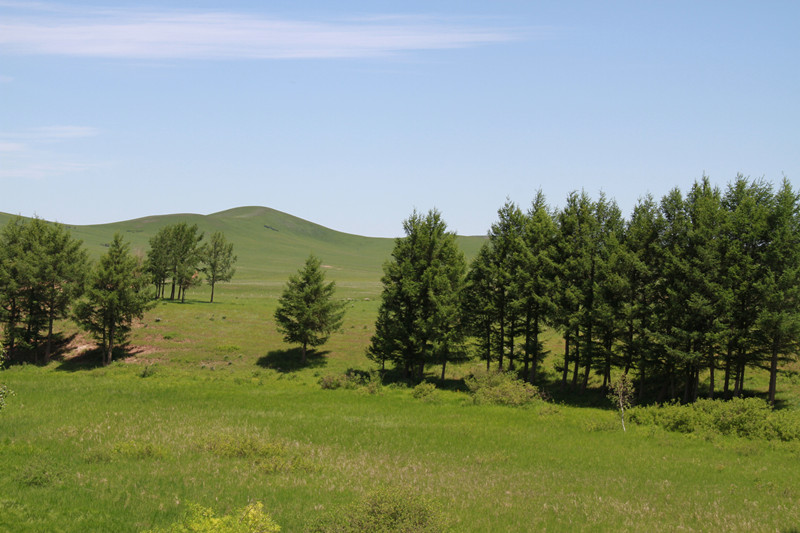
point(209, 406)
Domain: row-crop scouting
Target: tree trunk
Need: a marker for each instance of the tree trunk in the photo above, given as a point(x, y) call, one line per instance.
point(577, 358)
point(109, 345)
point(565, 370)
point(444, 365)
point(303, 360)
point(48, 347)
point(535, 358)
point(711, 367)
point(488, 344)
point(773, 373)
point(212, 293)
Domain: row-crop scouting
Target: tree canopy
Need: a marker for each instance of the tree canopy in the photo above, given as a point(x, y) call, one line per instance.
point(307, 312)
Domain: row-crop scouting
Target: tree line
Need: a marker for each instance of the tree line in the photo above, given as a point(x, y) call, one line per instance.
point(703, 283)
point(46, 276)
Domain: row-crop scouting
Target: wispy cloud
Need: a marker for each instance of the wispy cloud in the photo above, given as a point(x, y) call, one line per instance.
point(29, 154)
point(224, 35)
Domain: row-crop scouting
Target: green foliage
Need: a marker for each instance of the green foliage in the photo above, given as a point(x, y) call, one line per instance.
point(353, 379)
point(419, 321)
point(307, 314)
point(621, 395)
point(5, 392)
point(385, 510)
point(501, 388)
point(42, 272)
point(218, 260)
point(114, 297)
point(425, 391)
point(198, 519)
point(743, 417)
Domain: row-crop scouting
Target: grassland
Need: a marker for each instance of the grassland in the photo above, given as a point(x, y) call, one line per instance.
point(210, 407)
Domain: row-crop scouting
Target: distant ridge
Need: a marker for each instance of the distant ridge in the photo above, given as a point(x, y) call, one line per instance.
point(270, 244)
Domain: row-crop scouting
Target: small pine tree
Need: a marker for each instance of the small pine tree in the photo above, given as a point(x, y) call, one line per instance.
point(307, 314)
point(114, 297)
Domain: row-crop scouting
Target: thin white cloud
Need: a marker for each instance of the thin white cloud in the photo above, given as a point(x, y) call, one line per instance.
point(11, 147)
point(28, 154)
point(45, 134)
point(221, 35)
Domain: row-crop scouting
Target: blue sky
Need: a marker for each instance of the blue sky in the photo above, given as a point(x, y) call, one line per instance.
point(352, 114)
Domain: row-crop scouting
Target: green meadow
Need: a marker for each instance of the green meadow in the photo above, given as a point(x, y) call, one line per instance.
point(208, 406)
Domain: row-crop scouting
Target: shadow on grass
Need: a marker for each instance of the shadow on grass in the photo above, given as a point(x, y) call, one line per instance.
point(91, 359)
point(35, 356)
point(286, 361)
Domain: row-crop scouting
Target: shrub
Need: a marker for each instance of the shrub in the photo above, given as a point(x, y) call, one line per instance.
point(5, 392)
point(250, 519)
point(385, 510)
point(743, 417)
point(370, 382)
point(501, 388)
point(424, 391)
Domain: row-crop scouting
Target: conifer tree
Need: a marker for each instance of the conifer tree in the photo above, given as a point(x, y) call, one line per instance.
point(420, 316)
point(307, 313)
point(115, 296)
point(536, 280)
point(779, 321)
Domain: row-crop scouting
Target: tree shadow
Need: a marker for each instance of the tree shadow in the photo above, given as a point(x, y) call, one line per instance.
point(286, 361)
point(91, 359)
point(35, 355)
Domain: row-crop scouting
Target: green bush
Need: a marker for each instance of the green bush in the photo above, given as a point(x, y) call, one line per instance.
point(384, 511)
point(369, 382)
point(501, 388)
point(424, 391)
point(250, 519)
point(743, 417)
point(5, 392)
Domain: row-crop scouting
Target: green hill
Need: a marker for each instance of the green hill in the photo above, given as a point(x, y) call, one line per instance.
point(269, 244)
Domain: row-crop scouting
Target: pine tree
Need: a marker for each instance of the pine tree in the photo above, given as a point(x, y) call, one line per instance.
point(307, 314)
point(779, 321)
point(420, 315)
point(115, 296)
point(537, 290)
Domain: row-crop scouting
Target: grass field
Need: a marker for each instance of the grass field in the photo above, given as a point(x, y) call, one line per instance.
point(210, 407)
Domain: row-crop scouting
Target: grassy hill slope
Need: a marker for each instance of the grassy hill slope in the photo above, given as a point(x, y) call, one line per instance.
point(269, 244)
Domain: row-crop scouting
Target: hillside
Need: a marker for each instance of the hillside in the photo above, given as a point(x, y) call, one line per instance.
point(269, 244)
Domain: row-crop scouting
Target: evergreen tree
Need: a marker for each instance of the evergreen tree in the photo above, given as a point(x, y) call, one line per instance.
point(218, 259)
point(478, 303)
point(62, 274)
point(115, 295)
point(506, 244)
point(307, 314)
point(779, 321)
point(639, 266)
point(748, 205)
point(420, 316)
point(537, 280)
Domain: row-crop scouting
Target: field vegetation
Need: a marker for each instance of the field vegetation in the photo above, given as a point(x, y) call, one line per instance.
point(206, 414)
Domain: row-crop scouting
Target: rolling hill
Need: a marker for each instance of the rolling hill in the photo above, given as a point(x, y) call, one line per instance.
point(269, 244)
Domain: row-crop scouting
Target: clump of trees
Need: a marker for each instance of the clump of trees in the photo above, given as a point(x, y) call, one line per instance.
point(46, 276)
point(702, 283)
point(42, 272)
point(420, 320)
point(177, 256)
point(307, 313)
point(115, 296)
